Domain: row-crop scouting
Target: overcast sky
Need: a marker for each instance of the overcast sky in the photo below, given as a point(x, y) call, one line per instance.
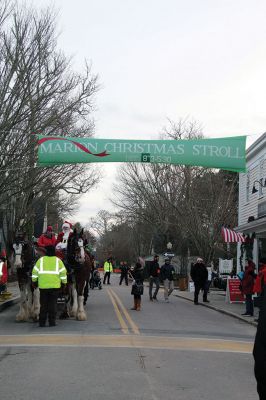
point(159, 59)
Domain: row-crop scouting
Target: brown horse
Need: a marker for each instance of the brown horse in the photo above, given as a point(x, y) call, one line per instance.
point(80, 263)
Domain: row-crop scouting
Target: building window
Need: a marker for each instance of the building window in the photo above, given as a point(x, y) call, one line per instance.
point(247, 186)
point(261, 176)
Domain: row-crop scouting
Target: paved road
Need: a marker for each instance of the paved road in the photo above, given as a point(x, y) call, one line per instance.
point(166, 351)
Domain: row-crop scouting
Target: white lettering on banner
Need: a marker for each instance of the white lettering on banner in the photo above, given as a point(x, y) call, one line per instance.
point(46, 148)
point(69, 147)
point(159, 148)
point(211, 151)
point(171, 149)
point(109, 147)
point(180, 149)
point(57, 148)
point(139, 148)
point(93, 147)
point(196, 150)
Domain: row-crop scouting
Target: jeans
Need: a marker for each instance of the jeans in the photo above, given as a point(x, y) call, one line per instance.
point(155, 280)
point(249, 304)
point(168, 288)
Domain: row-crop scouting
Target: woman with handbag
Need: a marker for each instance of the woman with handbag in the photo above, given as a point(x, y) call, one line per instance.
point(137, 286)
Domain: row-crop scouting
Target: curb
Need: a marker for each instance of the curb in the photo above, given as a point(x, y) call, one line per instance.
point(220, 310)
point(9, 303)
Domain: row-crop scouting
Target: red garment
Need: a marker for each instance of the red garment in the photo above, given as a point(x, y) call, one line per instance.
point(44, 240)
point(59, 237)
point(248, 279)
point(260, 281)
point(3, 274)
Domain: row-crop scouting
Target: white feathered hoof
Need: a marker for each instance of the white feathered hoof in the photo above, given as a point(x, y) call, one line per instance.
point(21, 316)
point(81, 316)
point(73, 313)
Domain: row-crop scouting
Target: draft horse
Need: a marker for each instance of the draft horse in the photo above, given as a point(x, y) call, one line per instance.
point(29, 306)
point(79, 262)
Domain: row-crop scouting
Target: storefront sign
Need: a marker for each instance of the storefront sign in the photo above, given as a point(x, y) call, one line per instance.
point(225, 266)
point(233, 293)
point(226, 153)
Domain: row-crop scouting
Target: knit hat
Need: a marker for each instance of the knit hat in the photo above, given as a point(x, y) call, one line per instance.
point(49, 228)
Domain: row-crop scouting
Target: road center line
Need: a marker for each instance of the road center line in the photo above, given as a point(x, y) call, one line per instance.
point(120, 318)
point(134, 327)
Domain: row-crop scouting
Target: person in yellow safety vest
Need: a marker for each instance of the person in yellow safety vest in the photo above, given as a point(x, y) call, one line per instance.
point(49, 274)
point(108, 268)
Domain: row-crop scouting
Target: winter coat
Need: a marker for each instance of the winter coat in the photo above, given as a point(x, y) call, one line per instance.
point(44, 240)
point(138, 275)
point(124, 269)
point(154, 269)
point(167, 272)
point(260, 280)
point(199, 274)
point(247, 283)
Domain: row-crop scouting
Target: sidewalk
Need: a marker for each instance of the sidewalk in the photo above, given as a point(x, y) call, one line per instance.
point(218, 303)
point(12, 287)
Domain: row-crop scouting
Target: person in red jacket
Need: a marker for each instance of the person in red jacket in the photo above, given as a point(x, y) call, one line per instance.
point(260, 281)
point(3, 272)
point(47, 238)
point(247, 286)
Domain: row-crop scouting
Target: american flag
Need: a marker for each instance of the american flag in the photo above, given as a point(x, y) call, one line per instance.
point(231, 236)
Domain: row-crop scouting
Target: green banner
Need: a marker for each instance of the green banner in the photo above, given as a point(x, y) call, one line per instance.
point(226, 153)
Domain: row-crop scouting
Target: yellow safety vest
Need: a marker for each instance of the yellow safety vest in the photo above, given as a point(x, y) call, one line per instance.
point(50, 272)
point(108, 267)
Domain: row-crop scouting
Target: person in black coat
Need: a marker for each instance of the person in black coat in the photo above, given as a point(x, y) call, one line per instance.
point(124, 272)
point(154, 277)
point(167, 276)
point(259, 350)
point(137, 287)
point(199, 275)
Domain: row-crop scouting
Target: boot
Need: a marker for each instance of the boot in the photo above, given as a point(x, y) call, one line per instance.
point(138, 304)
point(135, 305)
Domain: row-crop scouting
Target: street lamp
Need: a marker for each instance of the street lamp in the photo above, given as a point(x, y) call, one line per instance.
point(254, 190)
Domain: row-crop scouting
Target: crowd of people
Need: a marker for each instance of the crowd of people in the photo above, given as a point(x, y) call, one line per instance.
point(50, 274)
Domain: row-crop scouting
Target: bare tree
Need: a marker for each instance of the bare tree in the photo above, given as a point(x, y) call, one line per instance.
point(39, 93)
point(184, 204)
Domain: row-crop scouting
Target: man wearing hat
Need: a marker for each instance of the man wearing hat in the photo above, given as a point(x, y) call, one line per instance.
point(199, 275)
point(167, 276)
point(47, 238)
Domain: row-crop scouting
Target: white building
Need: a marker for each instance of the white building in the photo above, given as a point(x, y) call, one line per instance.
point(252, 200)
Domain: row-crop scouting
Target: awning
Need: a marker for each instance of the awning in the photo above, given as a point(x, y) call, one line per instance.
point(258, 226)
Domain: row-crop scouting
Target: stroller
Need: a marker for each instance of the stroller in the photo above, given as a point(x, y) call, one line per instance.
point(95, 280)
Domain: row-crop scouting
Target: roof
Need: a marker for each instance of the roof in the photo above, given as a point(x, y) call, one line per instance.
point(256, 146)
